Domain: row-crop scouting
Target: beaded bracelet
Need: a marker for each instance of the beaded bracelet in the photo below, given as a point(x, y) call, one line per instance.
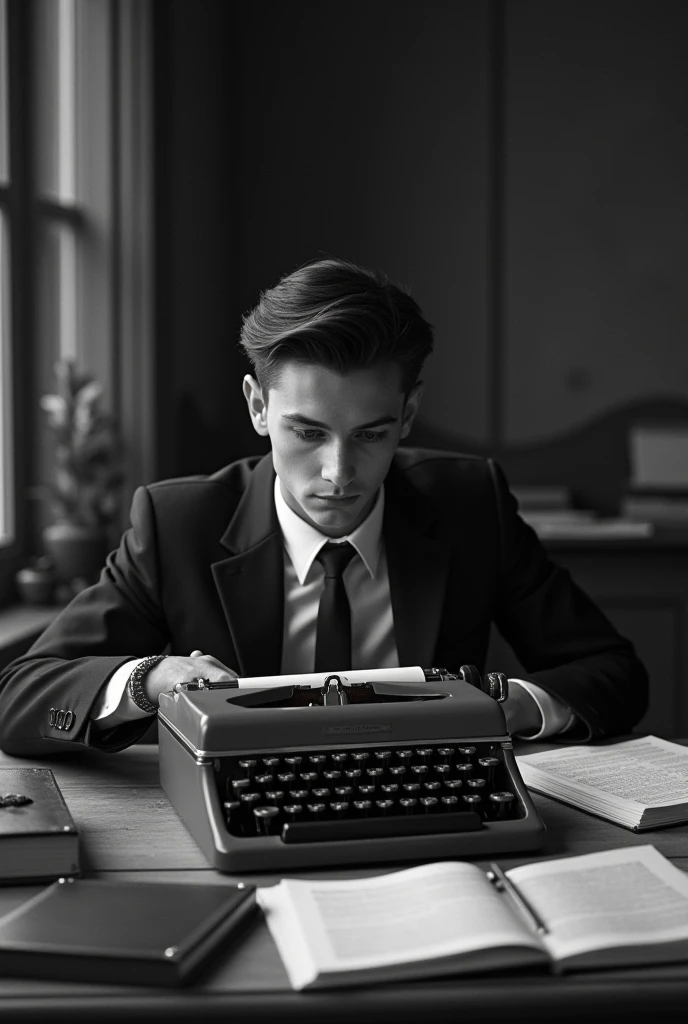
point(136, 690)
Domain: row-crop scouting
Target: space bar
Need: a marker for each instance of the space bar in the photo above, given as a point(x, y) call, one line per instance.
point(379, 828)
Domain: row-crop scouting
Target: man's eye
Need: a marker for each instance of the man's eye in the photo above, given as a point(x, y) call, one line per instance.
point(372, 436)
point(308, 435)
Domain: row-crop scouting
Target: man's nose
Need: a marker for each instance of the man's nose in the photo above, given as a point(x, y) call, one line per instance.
point(338, 468)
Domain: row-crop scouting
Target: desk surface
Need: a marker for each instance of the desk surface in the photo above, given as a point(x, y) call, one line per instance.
point(129, 830)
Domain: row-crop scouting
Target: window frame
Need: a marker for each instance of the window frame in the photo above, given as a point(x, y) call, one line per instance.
point(15, 199)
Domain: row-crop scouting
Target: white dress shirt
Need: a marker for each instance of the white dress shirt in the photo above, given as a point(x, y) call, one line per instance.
point(366, 581)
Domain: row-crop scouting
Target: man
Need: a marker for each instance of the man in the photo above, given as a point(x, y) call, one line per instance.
point(235, 573)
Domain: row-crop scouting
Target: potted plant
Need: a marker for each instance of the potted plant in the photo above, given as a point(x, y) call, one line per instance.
point(86, 485)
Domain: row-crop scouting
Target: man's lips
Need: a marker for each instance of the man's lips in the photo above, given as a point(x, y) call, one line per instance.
point(333, 499)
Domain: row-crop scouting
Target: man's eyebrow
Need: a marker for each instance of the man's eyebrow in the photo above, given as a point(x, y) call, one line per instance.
point(298, 418)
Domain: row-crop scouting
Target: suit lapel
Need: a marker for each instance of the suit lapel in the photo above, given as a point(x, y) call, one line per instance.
point(250, 583)
point(418, 567)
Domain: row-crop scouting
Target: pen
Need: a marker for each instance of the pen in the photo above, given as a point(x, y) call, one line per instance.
point(502, 883)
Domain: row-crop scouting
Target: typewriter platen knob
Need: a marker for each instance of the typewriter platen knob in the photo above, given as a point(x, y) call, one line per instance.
point(496, 685)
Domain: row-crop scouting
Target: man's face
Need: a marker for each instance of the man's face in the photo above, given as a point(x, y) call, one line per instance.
point(333, 437)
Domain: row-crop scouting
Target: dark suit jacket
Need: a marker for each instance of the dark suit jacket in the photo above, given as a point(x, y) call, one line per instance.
point(202, 567)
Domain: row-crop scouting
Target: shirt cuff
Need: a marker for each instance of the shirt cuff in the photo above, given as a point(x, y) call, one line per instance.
point(557, 717)
point(114, 704)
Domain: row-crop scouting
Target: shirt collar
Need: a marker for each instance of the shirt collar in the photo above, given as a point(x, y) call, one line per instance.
point(303, 541)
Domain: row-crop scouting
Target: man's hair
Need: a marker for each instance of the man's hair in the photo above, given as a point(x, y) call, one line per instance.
point(336, 314)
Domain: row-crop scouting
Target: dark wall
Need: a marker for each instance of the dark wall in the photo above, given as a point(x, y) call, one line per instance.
point(519, 166)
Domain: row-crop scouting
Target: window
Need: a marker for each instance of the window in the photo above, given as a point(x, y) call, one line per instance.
point(75, 249)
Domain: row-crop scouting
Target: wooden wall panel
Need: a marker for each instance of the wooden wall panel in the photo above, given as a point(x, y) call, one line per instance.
point(596, 208)
point(364, 132)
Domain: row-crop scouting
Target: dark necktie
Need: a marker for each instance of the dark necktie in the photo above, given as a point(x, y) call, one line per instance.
point(333, 638)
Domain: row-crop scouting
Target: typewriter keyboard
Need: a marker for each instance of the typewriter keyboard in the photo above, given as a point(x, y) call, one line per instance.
point(366, 792)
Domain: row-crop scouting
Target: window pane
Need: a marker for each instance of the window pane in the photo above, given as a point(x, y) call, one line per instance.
point(57, 321)
point(55, 125)
point(4, 133)
point(6, 460)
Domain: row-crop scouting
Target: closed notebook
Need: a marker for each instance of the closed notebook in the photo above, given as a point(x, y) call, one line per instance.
point(38, 838)
point(135, 933)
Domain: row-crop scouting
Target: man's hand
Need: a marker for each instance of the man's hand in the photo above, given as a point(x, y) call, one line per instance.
point(523, 716)
point(173, 670)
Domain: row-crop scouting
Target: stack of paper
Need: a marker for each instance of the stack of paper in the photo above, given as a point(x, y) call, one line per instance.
point(641, 784)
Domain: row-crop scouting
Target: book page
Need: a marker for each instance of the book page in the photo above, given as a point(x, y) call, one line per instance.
point(650, 772)
point(422, 913)
point(632, 896)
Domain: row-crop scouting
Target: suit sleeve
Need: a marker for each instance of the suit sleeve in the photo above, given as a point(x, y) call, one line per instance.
point(46, 696)
point(566, 644)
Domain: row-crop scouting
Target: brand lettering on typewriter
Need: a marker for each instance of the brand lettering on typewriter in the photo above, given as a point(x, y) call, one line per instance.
point(338, 730)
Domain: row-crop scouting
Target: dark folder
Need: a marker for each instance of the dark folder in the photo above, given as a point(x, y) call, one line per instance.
point(135, 933)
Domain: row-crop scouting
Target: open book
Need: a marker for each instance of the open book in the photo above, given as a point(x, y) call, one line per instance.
point(620, 907)
point(640, 784)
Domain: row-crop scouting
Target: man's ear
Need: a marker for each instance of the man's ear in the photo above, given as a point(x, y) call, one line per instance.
point(257, 406)
point(411, 404)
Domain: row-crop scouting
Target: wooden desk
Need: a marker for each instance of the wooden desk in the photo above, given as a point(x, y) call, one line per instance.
point(129, 830)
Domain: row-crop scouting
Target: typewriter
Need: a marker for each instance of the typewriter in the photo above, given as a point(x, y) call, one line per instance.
point(349, 768)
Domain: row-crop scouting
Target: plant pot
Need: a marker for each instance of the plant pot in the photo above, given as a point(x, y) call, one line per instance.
point(77, 552)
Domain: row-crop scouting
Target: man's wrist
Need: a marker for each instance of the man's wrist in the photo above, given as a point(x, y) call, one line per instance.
point(135, 685)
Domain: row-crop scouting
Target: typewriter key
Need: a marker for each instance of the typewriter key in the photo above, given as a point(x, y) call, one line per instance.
point(425, 753)
point(293, 811)
point(411, 787)
point(472, 801)
point(375, 773)
point(398, 770)
point(318, 760)
point(431, 787)
point(352, 773)
point(429, 803)
point(343, 791)
point(362, 806)
point(390, 788)
point(275, 796)
point(383, 756)
point(443, 770)
point(230, 808)
point(489, 765)
point(340, 757)
point(332, 775)
point(409, 803)
point(467, 753)
point(339, 808)
point(265, 819)
point(271, 764)
point(464, 770)
point(453, 785)
point(298, 794)
point(385, 806)
point(446, 754)
point(500, 804)
point(264, 780)
point(449, 803)
point(286, 778)
point(360, 756)
point(321, 793)
point(239, 785)
point(249, 799)
point(294, 761)
point(419, 770)
point(405, 756)
point(248, 767)
point(308, 778)
point(475, 784)
point(366, 791)
point(316, 810)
